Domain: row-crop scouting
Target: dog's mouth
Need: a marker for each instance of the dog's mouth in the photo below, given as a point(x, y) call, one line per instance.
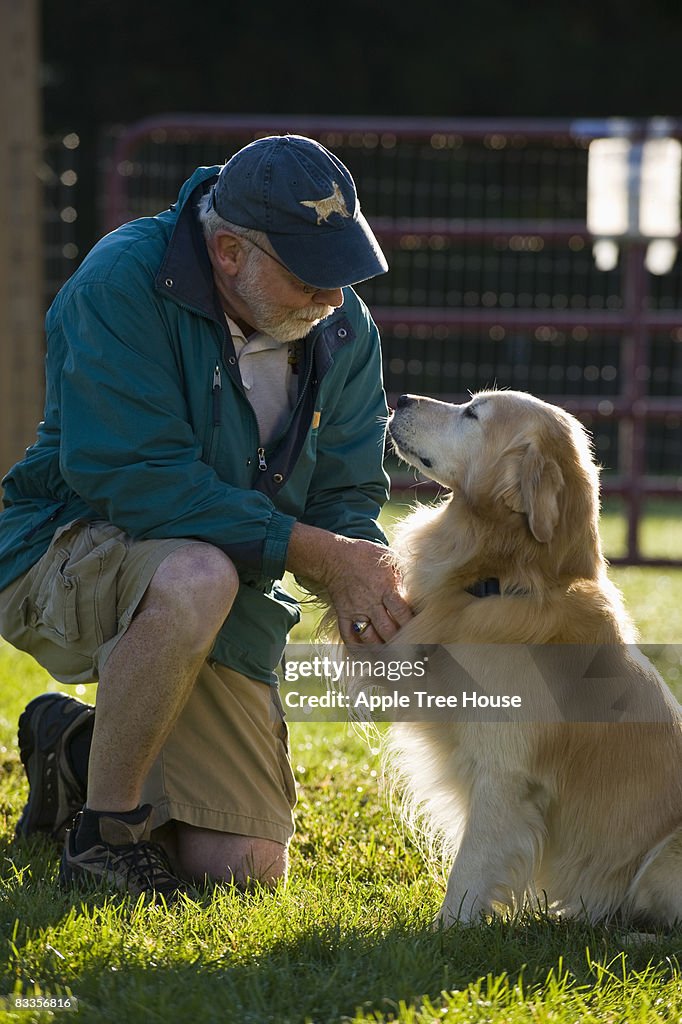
point(397, 429)
point(409, 454)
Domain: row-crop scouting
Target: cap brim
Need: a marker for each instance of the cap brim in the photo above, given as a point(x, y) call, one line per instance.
point(332, 258)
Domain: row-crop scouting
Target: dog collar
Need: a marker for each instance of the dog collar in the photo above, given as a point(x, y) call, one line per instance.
point(485, 588)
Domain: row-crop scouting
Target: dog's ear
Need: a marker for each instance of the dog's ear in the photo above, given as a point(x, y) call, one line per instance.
point(535, 492)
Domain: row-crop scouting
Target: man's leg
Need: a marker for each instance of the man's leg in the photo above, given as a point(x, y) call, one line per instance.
point(150, 673)
point(223, 786)
point(235, 747)
point(202, 853)
point(143, 688)
point(144, 685)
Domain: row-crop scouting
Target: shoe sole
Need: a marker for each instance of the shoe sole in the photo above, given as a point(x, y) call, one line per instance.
point(41, 810)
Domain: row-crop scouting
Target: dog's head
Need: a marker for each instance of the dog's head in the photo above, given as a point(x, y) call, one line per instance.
point(523, 467)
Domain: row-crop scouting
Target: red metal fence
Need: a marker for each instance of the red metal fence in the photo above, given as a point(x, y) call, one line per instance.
point(492, 279)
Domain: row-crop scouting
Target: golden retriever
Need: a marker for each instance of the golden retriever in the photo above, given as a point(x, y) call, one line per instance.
point(581, 816)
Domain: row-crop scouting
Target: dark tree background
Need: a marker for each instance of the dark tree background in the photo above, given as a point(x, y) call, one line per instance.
point(114, 61)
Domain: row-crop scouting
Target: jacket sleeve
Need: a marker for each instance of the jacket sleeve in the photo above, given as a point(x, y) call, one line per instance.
point(128, 447)
point(349, 485)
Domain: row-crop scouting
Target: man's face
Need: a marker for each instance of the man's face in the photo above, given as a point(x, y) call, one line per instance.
point(279, 304)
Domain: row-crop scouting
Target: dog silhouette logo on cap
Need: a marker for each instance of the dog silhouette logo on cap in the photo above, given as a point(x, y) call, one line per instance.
point(324, 208)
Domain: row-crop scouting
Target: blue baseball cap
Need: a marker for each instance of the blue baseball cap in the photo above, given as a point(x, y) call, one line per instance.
point(304, 199)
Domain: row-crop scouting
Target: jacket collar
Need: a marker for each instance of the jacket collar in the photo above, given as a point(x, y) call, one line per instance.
point(185, 274)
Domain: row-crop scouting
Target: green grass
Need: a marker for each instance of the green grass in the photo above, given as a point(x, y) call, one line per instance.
point(349, 938)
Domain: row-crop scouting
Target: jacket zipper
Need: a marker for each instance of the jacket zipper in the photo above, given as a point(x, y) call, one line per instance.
point(262, 463)
point(44, 522)
point(216, 390)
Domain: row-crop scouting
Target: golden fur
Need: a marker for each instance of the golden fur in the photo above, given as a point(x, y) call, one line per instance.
point(582, 816)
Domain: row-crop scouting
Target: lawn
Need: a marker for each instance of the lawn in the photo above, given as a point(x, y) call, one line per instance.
point(349, 938)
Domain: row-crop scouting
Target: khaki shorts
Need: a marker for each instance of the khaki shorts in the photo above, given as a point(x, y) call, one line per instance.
point(225, 765)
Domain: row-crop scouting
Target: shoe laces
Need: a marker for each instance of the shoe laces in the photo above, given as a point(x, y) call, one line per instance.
point(148, 864)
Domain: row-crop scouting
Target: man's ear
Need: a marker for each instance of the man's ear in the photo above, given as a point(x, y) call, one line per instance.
point(532, 486)
point(228, 252)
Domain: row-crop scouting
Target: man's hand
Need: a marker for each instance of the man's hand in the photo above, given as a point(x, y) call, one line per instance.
point(361, 581)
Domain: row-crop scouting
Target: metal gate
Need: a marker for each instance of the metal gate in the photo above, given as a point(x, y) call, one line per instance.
point(492, 278)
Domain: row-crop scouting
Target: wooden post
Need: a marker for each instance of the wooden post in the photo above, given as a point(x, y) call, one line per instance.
point(21, 251)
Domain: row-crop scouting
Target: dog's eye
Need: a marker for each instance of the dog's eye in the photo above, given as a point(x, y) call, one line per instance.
point(470, 412)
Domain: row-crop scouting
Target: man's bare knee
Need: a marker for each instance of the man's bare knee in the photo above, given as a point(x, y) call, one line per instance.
point(194, 588)
point(226, 857)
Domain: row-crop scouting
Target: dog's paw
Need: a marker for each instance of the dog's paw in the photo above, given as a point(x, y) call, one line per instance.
point(465, 916)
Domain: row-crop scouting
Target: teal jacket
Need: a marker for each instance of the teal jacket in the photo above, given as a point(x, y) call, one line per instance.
point(147, 426)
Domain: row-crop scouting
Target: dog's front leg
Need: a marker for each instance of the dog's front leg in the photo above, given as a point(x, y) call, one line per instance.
point(500, 847)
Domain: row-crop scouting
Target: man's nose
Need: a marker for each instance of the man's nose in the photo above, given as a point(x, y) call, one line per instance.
point(329, 297)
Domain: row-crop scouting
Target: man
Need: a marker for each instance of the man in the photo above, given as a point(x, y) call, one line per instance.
point(214, 417)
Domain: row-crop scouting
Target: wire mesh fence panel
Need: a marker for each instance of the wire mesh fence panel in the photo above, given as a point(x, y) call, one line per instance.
point(449, 362)
point(59, 179)
point(520, 272)
point(492, 279)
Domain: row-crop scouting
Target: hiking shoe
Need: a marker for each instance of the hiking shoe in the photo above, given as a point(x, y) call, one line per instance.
point(114, 849)
point(56, 791)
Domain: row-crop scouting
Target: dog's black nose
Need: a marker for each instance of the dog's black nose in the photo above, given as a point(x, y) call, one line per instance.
point(405, 400)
